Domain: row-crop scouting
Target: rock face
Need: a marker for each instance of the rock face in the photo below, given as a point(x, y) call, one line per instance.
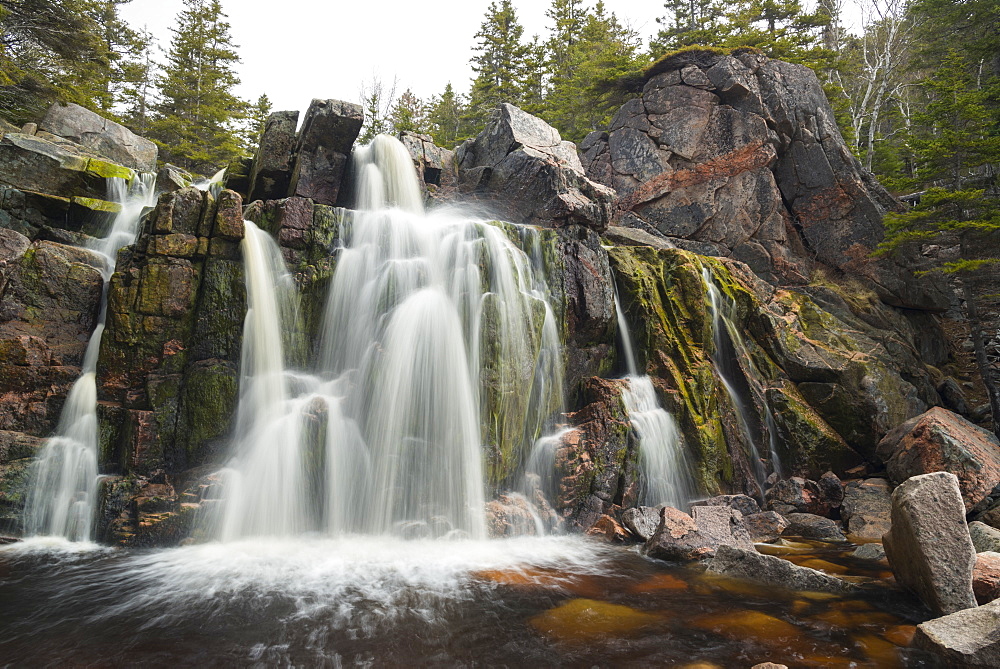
point(867, 508)
point(741, 157)
point(324, 144)
point(33, 164)
point(769, 570)
point(928, 546)
point(116, 142)
point(942, 441)
point(435, 165)
point(969, 638)
point(521, 167)
point(272, 166)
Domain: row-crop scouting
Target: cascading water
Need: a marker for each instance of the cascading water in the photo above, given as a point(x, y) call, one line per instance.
point(663, 463)
point(437, 340)
point(727, 337)
point(63, 488)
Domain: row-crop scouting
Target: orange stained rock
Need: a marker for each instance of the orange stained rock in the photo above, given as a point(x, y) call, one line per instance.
point(659, 582)
point(588, 619)
point(748, 624)
point(541, 578)
point(900, 635)
point(879, 651)
point(822, 565)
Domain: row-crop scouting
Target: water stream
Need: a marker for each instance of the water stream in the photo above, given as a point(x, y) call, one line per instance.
point(664, 466)
point(730, 355)
point(62, 493)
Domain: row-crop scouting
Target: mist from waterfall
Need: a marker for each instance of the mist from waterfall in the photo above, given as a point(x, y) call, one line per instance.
point(730, 350)
point(62, 493)
point(664, 467)
point(437, 345)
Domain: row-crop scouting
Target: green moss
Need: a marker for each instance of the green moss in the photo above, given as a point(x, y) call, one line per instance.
point(97, 205)
point(106, 170)
point(210, 396)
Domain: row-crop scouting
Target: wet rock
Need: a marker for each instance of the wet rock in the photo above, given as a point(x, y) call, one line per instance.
point(608, 529)
point(723, 525)
point(986, 577)
point(271, 174)
point(641, 521)
point(745, 504)
point(114, 141)
point(984, 537)
point(33, 164)
point(171, 178)
point(510, 516)
point(677, 538)
point(435, 165)
point(967, 638)
point(874, 552)
point(773, 571)
point(866, 509)
point(831, 490)
point(928, 546)
point(802, 494)
point(939, 441)
point(520, 166)
point(769, 665)
point(811, 526)
point(328, 133)
point(765, 527)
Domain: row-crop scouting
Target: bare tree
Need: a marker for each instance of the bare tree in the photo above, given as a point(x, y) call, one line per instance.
point(378, 101)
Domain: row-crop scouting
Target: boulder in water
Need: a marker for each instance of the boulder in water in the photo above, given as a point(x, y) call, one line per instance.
point(866, 509)
point(765, 527)
point(521, 167)
point(928, 546)
point(942, 441)
point(679, 537)
point(745, 504)
point(641, 521)
point(811, 526)
point(769, 570)
point(802, 494)
point(966, 638)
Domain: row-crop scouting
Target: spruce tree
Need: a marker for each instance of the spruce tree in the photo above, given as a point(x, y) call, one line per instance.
point(446, 118)
point(253, 126)
point(408, 114)
point(498, 63)
point(689, 23)
point(196, 120)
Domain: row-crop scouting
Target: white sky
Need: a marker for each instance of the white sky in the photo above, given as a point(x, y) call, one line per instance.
point(297, 50)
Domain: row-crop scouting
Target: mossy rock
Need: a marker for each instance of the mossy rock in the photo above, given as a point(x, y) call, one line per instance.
point(208, 407)
point(108, 170)
point(15, 477)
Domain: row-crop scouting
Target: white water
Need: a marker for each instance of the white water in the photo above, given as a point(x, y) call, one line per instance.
point(724, 320)
point(433, 322)
point(62, 494)
point(663, 462)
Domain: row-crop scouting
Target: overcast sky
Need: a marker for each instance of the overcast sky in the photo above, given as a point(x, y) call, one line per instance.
point(296, 50)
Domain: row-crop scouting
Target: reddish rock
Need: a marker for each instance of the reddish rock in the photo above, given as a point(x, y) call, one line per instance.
point(510, 516)
point(608, 529)
point(986, 577)
point(802, 494)
point(765, 527)
point(942, 441)
point(677, 538)
point(328, 133)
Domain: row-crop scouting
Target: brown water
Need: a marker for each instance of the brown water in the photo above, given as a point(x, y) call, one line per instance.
point(373, 602)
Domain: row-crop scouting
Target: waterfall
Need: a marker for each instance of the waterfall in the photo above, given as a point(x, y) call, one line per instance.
point(730, 351)
point(437, 344)
point(62, 493)
point(664, 467)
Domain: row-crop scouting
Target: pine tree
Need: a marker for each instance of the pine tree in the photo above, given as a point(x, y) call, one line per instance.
point(408, 114)
point(689, 23)
point(253, 127)
point(781, 29)
point(568, 18)
point(446, 118)
point(497, 63)
point(196, 120)
point(122, 52)
point(137, 96)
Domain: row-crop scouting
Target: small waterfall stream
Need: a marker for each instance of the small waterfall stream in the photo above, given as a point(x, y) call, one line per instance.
point(730, 350)
point(437, 341)
point(663, 463)
point(62, 493)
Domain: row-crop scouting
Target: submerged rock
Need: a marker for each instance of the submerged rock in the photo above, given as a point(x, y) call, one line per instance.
point(969, 638)
point(773, 571)
point(928, 546)
point(874, 552)
point(521, 167)
point(942, 441)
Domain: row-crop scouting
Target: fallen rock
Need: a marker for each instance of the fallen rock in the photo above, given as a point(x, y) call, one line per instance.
point(874, 552)
point(967, 638)
point(743, 503)
point(525, 171)
point(722, 525)
point(984, 537)
point(114, 141)
point(866, 509)
point(608, 529)
point(802, 494)
point(811, 526)
point(928, 546)
point(765, 527)
point(942, 441)
point(986, 577)
point(773, 571)
point(328, 133)
point(641, 521)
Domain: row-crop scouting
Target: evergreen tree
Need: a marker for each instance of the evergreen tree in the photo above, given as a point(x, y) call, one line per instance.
point(377, 101)
point(137, 96)
point(956, 137)
point(408, 114)
point(196, 120)
point(446, 118)
point(689, 23)
point(122, 52)
point(781, 29)
point(500, 54)
point(253, 127)
point(568, 18)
